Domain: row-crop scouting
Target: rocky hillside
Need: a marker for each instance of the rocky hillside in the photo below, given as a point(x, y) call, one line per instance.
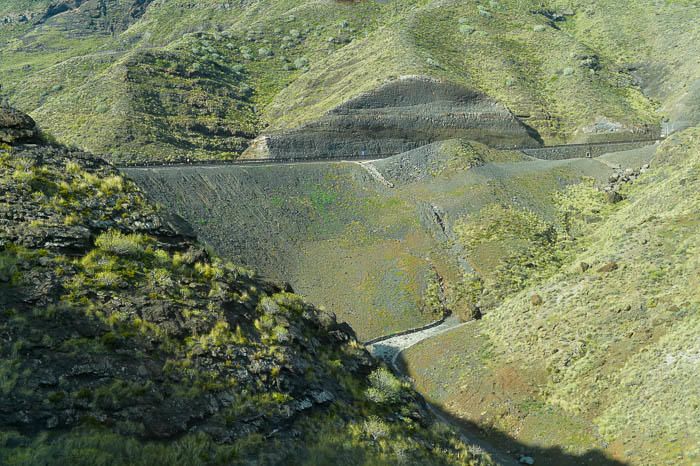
point(144, 80)
point(125, 342)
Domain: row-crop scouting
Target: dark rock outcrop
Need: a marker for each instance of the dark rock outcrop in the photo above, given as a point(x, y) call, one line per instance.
point(60, 7)
point(397, 117)
point(15, 126)
point(76, 16)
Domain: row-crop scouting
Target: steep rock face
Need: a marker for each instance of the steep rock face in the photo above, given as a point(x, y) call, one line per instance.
point(399, 116)
point(75, 16)
point(76, 346)
point(15, 126)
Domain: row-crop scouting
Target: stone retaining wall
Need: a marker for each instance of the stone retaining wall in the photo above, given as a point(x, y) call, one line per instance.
point(574, 151)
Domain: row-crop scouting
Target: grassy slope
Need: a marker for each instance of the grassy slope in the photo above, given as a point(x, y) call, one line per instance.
point(495, 48)
point(612, 355)
point(327, 229)
point(618, 36)
point(662, 38)
point(323, 53)
point(372, 258)
point(503, 57)
point(106, 112)
point(613, 352)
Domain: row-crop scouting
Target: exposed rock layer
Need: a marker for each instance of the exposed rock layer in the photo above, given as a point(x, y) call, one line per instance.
point(399, 116)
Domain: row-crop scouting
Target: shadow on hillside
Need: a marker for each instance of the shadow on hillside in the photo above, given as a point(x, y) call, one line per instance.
point(507, 450)
point(533, 133)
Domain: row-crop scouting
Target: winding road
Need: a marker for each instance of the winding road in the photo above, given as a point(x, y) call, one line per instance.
point(388, 349)
point(352, 158)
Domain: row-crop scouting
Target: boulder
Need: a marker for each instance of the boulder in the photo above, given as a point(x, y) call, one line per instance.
point(613, 197)
point(609, 267)
point(15, 126)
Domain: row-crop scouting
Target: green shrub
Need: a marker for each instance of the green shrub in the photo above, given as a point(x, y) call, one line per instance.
point(498, 223)
point(245, 90)
point(466, 29)
point(73, 168)
point(23, 176)
point(8, 267)
point(56, 397)
point(484, 13)
point(246, 53)
point(107, 279)
point(111, 185)
point(465, 297)
point(120, 244)
point(509, 247)
point(375, 428)
point(301, 63)
point(210, 271)
point(432, 301)
point(160, 279)
point(384, 387)
point(47, 138)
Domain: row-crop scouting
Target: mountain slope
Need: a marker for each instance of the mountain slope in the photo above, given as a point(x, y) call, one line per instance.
point(582, 273)
point(606, 342)
point(178, 81)
point(125, 342)
point(369, 240)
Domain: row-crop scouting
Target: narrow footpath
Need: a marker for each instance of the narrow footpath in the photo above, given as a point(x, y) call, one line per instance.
point(374, 173)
